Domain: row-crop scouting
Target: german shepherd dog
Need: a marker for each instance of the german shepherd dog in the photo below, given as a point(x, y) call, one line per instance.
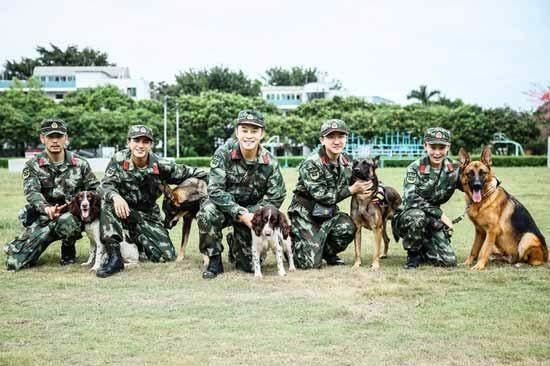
point(370, 211)
point(183, 202)
point(503, 226)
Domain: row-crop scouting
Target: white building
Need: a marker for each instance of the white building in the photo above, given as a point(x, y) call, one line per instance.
point(288, 98)
point(59, 80)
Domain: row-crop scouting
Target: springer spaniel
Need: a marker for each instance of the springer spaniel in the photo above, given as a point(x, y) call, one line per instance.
point(269, 228)
point(86, 206)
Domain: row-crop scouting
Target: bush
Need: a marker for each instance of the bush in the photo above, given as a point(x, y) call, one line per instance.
point(4, 162)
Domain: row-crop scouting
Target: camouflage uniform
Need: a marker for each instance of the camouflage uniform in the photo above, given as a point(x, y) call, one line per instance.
point(47, 184)
point(417, 220)
point(235, 185)
point(140, 188)
point(326, 183)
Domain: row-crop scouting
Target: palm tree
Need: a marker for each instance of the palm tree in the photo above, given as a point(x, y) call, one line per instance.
point(422, 94)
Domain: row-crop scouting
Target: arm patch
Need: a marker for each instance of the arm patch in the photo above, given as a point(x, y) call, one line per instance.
point(411, 177)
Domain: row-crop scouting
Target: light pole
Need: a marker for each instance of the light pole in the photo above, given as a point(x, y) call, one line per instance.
point(165, 142)
point(177, 130)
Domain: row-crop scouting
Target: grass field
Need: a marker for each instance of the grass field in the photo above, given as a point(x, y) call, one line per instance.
point(167, 314)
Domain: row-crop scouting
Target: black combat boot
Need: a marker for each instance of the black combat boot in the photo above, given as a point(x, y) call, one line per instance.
point(414, 259)
point(68, 252)
point(114, 264)
point(215, 267)
point(333, 260)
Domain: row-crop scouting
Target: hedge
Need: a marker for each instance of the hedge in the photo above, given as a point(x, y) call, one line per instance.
point(294, 161)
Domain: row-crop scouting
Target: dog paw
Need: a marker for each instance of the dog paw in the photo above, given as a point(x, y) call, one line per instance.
point(468, 261)
point(258, 275)
point(375, 267)
point(292, 269)
point(356, 265)
point(478, 267)
point(383, 256)
point(282, 274)
point(180, 258)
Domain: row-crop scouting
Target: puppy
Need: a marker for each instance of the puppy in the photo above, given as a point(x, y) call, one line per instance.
point(503, 226)
point(372, 211)
point(270, 229)
point(85, 206)
point(183, 202)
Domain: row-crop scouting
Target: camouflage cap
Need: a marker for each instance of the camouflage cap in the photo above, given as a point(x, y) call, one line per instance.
point(334, 125)
point(50, 126)
point(250, 117)
point(437, 135)
point(139, 131)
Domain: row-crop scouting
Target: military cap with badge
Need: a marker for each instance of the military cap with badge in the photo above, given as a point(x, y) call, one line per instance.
point(250, 117)
point(334, 125)
point(437, 136)
point(51, 126)
point(136, 131)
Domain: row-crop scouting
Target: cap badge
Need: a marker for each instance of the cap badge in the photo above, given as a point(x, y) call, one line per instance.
point(250, 116)
point(438, 135)
point(334, 125)
point(54, 125)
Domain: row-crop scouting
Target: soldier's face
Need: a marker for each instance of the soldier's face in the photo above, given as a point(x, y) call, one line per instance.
point(436, 153)
point(249, 136)
point(140, 146)
point(54, 143)
point(334, 142)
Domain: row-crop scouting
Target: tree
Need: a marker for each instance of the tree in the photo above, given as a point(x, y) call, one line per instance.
point(296, 76)
point(218, 78)
point(422, 94)
point(71, 56)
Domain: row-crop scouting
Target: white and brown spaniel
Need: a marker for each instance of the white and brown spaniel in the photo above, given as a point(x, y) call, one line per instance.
point(86, 206)
point(270, 230)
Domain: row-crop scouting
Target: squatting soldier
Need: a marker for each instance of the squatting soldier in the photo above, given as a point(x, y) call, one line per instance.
point(319, 229)
point(430, 181)
point(243, 177)
point(129, 191)
point(50, 179)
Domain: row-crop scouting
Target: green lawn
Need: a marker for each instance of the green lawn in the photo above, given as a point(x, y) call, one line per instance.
point(166, 314)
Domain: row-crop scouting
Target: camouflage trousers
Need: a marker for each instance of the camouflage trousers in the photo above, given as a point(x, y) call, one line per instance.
point(211, 221)
point(419, 235)
point(145, 229)
point(312, 239)
point(27, 247)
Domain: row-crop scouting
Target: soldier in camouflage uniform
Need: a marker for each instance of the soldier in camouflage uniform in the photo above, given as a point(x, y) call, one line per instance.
point(243, 177)
point(129, 191)
point(430, 182)
point(50, 179)
point(319, 229)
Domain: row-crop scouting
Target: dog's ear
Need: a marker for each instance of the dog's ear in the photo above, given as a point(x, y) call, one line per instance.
point(74, 207)
point(96, 203)
point(257, 222)
point(283, 224)
point(376, 160)
point(463, 157)
point(167, 191)
point(486, 156)
point(354, 164)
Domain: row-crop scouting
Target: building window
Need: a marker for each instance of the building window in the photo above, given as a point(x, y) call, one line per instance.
point(63, 78)
point(70, 78)
point(59, 96)
point(298, 96)
point(131, 92)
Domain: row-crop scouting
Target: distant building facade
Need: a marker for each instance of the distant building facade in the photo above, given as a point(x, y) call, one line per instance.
point(57, 81)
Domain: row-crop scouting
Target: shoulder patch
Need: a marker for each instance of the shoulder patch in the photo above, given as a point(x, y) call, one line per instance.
point(110, 172)
point(411, 177)
point(26, 173)
point(215, 162)
point(313, 171)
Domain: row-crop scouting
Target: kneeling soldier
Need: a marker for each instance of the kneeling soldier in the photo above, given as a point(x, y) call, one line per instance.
point(51, 179)
point(319, 229)
point(243, 177)
point(129, 191)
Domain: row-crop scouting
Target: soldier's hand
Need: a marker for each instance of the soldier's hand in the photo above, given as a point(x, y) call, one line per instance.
point(122, 210)
point(246, 219)
point(447, 221)
point(54, 212)
point(361, 187)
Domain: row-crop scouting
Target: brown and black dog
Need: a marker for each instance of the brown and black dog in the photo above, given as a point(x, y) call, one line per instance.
point(183, 202)
point(372, 211)
point(503, 225)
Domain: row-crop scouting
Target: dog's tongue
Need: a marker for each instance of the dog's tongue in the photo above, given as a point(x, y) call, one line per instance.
point(476, 196)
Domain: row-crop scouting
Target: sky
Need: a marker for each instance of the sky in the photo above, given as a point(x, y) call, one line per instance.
point(491, 53)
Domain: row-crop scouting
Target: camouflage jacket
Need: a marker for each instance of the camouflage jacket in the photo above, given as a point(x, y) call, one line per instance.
point(322, 181)
point(236, 184)
point(141, 187)
point(426, 188)
point(46, 184)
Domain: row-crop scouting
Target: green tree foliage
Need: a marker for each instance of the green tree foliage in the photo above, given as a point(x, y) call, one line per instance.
point(55, 56)
point(296, 76)
point(218, 78)
point(422, 94)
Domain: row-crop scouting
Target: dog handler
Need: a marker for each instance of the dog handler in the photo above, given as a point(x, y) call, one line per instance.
point(51, 179)
point(319, 229)
point(129, 191)
point(243, 177)
point(430, 182)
